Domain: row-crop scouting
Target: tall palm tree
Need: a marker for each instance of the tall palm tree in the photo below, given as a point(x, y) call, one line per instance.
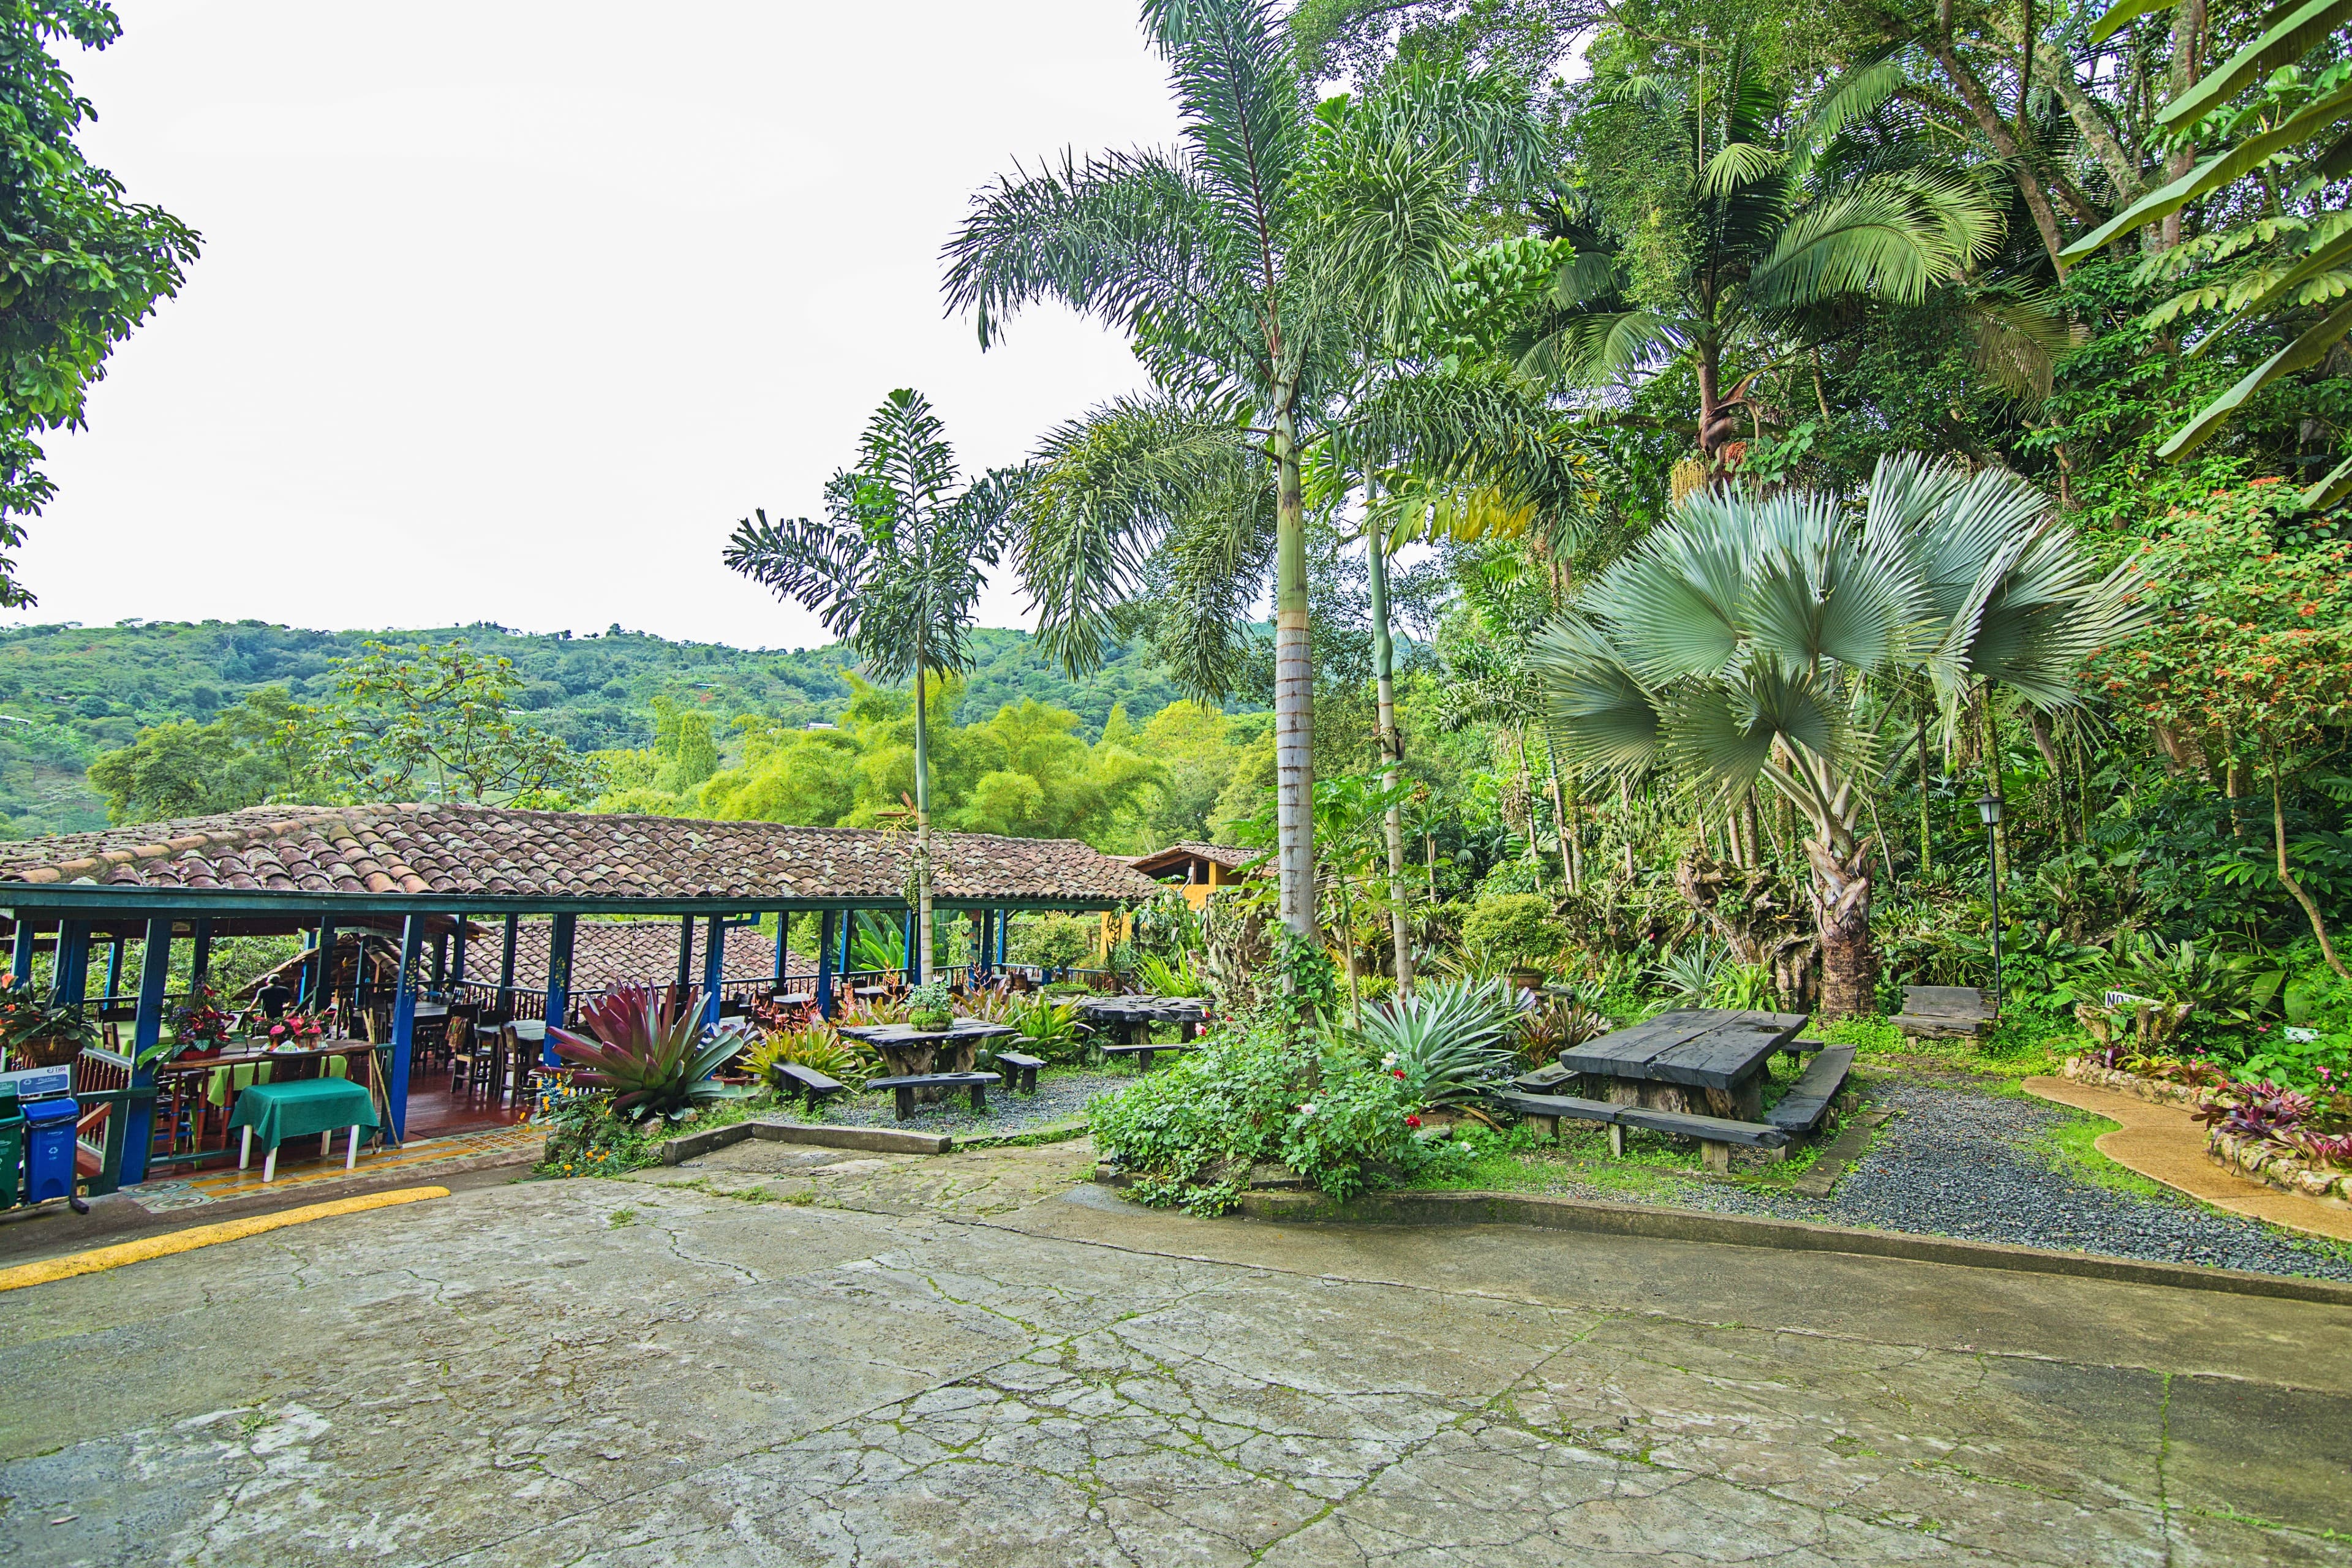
point(1236, 281)
point(1762, 240)
point(894, 571)
point(1760, 641)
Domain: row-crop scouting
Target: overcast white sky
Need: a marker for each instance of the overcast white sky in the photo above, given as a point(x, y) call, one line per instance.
point(507, 310)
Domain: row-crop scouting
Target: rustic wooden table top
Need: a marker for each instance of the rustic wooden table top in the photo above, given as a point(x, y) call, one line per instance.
point(1704, 1047)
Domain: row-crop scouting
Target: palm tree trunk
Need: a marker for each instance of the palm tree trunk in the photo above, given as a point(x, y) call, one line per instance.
point(1391, 753)
point(922, 817)
point(1560, 821)
point(1926, 843)
point(1294, 687)
point(1841, 894)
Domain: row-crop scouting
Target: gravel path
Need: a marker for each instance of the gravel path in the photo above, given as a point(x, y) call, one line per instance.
point(1060, 1096)
point(1959, 1162)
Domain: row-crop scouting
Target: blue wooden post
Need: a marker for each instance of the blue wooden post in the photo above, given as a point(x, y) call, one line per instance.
point(784, 928)
point(70, 964)
point(558, 982)
point(20, 961)
point(458, 963)
point(200, 964)
point(684, 958)
point(113, 970)
point(403, 1025)
point(440, 960)
point(506, 967)
point(848, 937)
point(1003, 924)
point(825, 959)
point(714, 969)
point(914, 959)
point(146, 1033)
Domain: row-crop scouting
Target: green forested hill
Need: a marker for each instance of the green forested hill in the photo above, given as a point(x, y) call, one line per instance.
point(67, 693)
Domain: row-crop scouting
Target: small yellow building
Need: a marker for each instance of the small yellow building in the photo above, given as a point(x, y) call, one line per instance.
point(1198, 870)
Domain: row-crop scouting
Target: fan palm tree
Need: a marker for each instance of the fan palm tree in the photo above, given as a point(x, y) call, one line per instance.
point(1754, 640)
point(894, 571)
point(1237, 282)
point(1761, 246)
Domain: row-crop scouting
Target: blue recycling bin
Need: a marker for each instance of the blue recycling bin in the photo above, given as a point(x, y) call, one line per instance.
point(48, 1149)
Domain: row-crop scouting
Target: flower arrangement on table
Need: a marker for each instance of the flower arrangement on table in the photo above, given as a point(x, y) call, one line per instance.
point(293, 1032)
point(38, 1033)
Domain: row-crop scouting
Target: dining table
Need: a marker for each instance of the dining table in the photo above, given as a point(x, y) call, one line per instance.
point(910, 1051)
point(192, 1088)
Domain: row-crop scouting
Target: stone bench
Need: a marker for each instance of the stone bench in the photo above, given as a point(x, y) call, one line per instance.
point(1020, 1070)
point(1801, 1109)
point(1143, 1054)
point(1716, 1134)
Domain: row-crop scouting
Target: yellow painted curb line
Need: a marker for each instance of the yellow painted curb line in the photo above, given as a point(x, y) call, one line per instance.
point(100, 1258)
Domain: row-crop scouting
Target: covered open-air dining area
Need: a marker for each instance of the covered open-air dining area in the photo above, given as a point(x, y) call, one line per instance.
point(437, 944)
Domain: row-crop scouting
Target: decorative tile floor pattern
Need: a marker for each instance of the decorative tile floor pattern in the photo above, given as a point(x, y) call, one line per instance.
point(212, 1186)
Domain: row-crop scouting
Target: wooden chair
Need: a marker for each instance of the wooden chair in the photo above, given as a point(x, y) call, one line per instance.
point(471, 1059)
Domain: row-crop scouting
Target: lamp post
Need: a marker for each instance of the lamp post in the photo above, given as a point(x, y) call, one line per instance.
point(1988, 808)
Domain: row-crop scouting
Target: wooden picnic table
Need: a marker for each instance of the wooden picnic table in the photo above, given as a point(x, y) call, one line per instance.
point(1704, 1061)
point(911, 1052)
point(1124, 1016)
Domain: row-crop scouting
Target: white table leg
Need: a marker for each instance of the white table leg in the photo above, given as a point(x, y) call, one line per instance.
point(352, 1147)
point(327, 1144)
point(244, 1145)
point(269, 1165)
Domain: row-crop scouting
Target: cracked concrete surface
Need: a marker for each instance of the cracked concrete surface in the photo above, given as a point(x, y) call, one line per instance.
point(788, 1355)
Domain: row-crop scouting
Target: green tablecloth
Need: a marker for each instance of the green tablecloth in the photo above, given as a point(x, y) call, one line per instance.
point(277, 1111)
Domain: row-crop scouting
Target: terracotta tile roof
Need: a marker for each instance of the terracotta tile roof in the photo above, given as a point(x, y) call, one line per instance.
point(1159, 862)
point(624, 952)
point(499, 852)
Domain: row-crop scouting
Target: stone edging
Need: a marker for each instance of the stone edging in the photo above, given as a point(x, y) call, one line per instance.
point(2081, 1070)
point(1740, 1230)
point(876, 1140)
point(2255, 1159)
point(2276, 1165)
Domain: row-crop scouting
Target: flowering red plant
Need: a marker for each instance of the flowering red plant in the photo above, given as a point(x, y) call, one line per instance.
point(294, 1030)
point(202, 1024)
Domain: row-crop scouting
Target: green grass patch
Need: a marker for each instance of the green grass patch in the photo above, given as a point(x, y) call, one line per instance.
point(2068, 1148)
point(2022, 1044)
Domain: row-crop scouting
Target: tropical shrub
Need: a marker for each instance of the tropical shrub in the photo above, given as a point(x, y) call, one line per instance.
point(1047, 1028)
point(1160, 977)
point(653, 1059)
point(819, 1047)
point(1190, 1133)
point(1054, 941)
point(1513, 930)
point(584, 1138)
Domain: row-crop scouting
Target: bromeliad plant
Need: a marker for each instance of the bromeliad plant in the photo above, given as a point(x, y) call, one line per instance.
point(655, 1059)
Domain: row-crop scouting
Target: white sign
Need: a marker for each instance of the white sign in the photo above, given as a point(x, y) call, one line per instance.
point(36, 1083)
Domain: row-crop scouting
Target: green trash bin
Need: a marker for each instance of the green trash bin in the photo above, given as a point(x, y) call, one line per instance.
point(12, 1153)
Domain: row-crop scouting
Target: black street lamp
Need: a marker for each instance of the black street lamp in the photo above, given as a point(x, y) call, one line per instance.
point(1988, 808)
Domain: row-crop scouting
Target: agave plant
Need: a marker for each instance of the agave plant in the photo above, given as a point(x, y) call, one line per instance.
point(654, 1058)
point(1455, 1036)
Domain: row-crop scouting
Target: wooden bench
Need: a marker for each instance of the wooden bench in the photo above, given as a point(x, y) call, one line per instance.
point(1801, 1109)
point(1020, 1070)
point(904, 1088)
point(1144, 1053)
point(1716, 1134)
point(1945, 1012)
point(812, 1086)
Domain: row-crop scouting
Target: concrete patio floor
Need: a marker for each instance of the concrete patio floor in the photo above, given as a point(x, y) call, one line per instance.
point(786, 1355)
